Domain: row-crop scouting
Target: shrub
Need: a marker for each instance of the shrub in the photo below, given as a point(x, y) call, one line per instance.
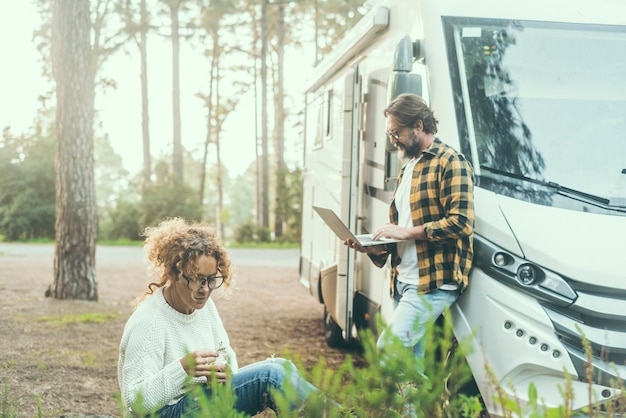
point(248, 232)
point(392, 385)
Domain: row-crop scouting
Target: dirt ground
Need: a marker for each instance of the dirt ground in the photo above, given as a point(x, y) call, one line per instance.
point(55, 361)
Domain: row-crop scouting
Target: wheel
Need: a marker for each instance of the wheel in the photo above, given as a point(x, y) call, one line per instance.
point(332, 331)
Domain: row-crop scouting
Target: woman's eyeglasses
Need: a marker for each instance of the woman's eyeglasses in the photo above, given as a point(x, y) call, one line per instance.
point(213, 282)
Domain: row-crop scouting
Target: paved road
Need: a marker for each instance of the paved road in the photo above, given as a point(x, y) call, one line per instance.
point(106, 254)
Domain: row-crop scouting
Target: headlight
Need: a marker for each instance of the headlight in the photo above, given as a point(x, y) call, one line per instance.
point(527, 274)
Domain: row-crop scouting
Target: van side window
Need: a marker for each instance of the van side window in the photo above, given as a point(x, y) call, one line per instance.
point(328, 114)
point(314, 127)
point(392, 167)
point(319, 134)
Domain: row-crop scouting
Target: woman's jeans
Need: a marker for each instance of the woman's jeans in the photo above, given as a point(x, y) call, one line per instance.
point(252, 385)
point(413, 312)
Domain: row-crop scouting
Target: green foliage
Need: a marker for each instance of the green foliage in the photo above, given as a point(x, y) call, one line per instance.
point(89, 317)
point(27, 187)
point(250, 232)
point(535, 407)
point(217, 403)
point(138, 408)
point(333, 19)
point(245, 233)
point(389, 385)
point(9, 410)
point(110, 176)
point(240, 199)
point(289, 204)
point(124, 222)
point(392, 384)
point(166, 199)
point(7, 407)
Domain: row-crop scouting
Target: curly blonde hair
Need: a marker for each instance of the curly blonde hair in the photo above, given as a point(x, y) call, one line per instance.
point(173, 246)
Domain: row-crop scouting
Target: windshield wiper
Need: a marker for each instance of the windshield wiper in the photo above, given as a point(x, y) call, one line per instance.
point(561, 190)
point(618, 193)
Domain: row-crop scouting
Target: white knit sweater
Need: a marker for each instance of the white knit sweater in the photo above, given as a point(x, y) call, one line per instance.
point(156, 337)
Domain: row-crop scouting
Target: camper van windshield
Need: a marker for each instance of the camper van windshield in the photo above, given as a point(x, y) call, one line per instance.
point(542, 109)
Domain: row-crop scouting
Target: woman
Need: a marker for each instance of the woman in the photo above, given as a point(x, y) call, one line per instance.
point(176, 335)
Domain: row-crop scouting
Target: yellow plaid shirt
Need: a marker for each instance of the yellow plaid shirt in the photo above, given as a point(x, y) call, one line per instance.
point(442, 200)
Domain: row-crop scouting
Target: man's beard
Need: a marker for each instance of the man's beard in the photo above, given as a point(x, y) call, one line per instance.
point(409, 151)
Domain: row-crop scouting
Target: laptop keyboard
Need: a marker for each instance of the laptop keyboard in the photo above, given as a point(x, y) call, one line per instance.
point(365, 239)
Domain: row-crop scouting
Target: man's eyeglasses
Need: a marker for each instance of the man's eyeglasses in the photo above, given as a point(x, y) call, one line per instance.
point(393, 134)
point(213, 282)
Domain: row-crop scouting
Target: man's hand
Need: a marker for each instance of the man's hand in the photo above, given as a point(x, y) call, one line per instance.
point(399, 232)
point(370, 249)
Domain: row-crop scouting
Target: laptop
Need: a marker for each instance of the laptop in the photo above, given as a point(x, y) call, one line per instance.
point(343, 233)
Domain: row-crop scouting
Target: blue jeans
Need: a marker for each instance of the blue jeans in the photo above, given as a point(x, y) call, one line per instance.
point(412, 312)
point(252, 385)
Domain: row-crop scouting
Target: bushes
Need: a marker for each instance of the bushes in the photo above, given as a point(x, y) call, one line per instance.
point(249, 232)
point(390, 385)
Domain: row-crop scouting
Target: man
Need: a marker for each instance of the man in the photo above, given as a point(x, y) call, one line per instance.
point(433, 211)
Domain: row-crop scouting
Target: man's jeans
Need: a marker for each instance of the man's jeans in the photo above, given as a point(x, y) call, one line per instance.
point(252, 385)
point(413, 311)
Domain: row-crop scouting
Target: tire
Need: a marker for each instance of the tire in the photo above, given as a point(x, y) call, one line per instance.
point(332, 331)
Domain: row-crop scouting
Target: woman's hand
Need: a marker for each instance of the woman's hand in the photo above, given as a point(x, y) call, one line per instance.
point(203, 363)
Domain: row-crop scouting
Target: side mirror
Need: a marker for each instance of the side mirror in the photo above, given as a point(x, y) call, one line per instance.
point(402, 80)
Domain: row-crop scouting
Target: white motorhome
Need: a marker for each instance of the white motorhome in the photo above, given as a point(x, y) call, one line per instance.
point(534, 94)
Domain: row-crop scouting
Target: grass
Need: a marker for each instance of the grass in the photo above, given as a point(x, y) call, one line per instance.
point(7, 409)
point(86, 318)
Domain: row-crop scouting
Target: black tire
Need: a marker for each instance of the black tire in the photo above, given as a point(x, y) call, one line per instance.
point(332, 331)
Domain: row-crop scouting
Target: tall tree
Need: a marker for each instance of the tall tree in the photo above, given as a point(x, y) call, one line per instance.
point(221, 22)
point(76, 220)
point(174, 7)
point(279, 123)
point(210, 16)
point(265, 219)
point(145, 119)
point(280, 29)
point(136, 19)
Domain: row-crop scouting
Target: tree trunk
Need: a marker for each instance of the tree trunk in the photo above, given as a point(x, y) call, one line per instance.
point(178, 147)
point(219, 226)
point(209, 118)
point(264, 140)
point(145, 121)
point(76, 221)
point(279, 118)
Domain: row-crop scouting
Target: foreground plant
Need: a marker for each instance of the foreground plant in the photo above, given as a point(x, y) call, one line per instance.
point(8, 409)
point(392, 384)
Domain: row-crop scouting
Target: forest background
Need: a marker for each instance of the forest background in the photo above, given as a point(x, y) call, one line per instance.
point(204, 65)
